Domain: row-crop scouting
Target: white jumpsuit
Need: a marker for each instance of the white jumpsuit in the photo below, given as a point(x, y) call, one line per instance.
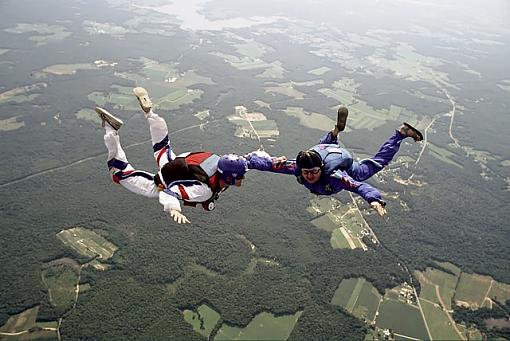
point(141, 182)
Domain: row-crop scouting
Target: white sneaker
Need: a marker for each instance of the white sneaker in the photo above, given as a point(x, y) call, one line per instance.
point(105, 116)
point(143, 98)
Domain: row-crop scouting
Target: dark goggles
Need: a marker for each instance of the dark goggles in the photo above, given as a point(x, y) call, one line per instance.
point(312, 171)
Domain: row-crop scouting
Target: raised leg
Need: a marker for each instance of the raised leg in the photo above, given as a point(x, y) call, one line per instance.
point(160, 141)
point(366, 168)
point(123, 173)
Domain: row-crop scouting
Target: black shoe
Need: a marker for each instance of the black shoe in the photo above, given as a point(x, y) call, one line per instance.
point(341, 118)
point(409, 131)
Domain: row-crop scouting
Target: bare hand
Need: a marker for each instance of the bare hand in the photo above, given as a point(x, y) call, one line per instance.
point(179, 217)
point(279, 162)
point(378, 207)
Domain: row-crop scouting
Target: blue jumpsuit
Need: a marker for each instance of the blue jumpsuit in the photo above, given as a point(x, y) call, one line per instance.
point(348, 175)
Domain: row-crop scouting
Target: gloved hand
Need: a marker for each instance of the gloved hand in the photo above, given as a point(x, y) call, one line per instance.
point(376, 205)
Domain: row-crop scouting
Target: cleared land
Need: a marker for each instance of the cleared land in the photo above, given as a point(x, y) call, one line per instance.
point(68, 69)
point(11, 124)
point(21, 322)
point(451, 267)
point(319, 71)
point(87, 243)
point(340, 239)
point(443, 155)
point(265, 326)
point(435, 281)
point(311, 120)
point(203, 320)
point(61, 283)
point(402, 318)
point(499, 292)
point(358, 297)
point(472, 289)
point(286, 89)
point(440, 326)
point(21, 94)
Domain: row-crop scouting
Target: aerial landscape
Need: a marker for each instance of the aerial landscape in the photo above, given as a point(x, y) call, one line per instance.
point(81, 258)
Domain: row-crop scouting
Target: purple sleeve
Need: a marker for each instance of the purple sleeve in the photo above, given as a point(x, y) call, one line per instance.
point(328, 139)
point(363, 189)
point(268, 164)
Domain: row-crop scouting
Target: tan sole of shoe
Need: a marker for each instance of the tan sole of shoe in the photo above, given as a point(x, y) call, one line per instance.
point(105, 116)
point(143, 98)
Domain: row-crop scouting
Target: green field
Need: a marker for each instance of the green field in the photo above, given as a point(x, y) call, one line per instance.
point(402, 319)
point(87, 243)
point(251, 49)
point(43, 33)
point(319, 71)
point(338, 239)
point(445, 282)
point(11, 123)
point(243, 63)
point(324, 205)
point(344, 292)
point(177, 98)
point(51, 324)
point(341, 96)
point(368, 302)
point(439, 325)
point(265, 125)
point(325, 222)
point(61, 283)
point(265, 326)
point(354, 222)
point(285, 89)
point(472, 289)
point(310, 120)
point(275, 70)
point(87, 115)
point(443, 155)
point(449, 266)
point(499, 292)
point(358, 297)
point(203, 320)
point(68, 69)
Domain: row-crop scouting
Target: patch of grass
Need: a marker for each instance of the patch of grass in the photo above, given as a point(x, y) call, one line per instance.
point(443, 155)
point(325, 222)
point(265, 326)
point(339, 239)
point(472, 289)
point(344, 292)
point(319, 71)
point(500, 292)
point(446, 285)
point(61, 281)
point(402, 318)
point(87, 243)
point(439, 324)
point(449, 266)
point(20, 322)
point(203, 320)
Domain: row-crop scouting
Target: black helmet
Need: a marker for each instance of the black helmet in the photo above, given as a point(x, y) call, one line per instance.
point(308, 159)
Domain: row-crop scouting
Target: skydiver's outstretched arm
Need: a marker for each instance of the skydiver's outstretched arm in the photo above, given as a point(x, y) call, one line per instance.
point(262, 161)
point(364, 190)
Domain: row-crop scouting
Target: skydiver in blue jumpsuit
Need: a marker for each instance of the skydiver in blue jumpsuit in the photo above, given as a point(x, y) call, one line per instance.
point(326, 168)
